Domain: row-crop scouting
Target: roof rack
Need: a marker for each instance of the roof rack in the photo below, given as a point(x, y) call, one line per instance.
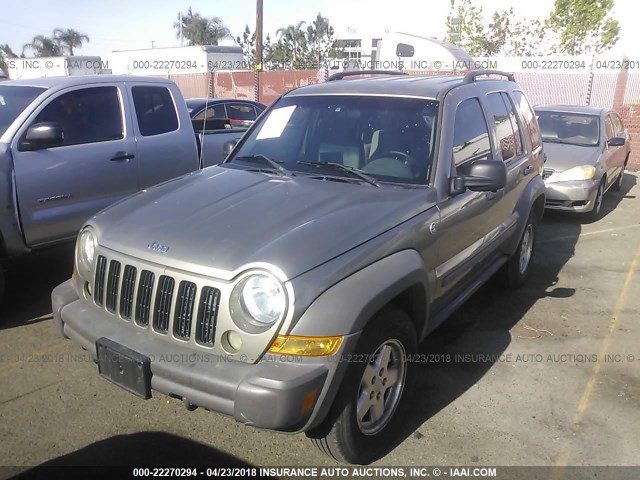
point(474, 74)
point(352, 73)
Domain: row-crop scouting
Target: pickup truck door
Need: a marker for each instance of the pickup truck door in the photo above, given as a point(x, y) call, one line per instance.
point(165, 138)
point(62, 186)
point(468, 220)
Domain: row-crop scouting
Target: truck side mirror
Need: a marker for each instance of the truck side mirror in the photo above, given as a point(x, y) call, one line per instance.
point(483, 176)
point(42, 135)
point(228, 146)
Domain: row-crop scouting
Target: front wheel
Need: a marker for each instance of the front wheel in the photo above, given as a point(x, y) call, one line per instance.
point(366, 419)
point(596, 211)
point(517, 269)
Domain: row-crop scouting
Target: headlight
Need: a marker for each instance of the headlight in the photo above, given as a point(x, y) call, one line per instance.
point(86, 249)
point(584, 172)
point(259, 299)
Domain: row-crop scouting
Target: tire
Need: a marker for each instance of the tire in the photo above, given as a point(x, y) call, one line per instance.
point(596, 211)
point(518, 268)
point(361, 436)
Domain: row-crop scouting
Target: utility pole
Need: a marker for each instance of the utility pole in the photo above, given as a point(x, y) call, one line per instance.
point(258, 65)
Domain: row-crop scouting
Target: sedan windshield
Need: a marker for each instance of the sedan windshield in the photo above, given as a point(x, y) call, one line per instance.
point(388, 139)
point(569, 128)
point(13, 100)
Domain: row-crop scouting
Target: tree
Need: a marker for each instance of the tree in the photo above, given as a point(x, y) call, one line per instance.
point(304, 45)
point(5, 52)
point(505, 34)
point(70, 39)
point(321, 42)
point(199, 30)
point(43, 46)
point(248, 44)
point(584, 26)
point(466, 28)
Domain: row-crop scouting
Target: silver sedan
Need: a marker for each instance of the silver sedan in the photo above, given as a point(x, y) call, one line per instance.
point(587, 150)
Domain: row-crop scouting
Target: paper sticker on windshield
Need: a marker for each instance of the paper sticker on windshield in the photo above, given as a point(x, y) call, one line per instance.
point(274, 125)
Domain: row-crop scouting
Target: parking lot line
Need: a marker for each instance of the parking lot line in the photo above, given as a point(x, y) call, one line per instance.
point(583, 405)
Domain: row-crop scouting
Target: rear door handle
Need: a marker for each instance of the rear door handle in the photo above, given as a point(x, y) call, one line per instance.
point(118, 157)
point(527, 170)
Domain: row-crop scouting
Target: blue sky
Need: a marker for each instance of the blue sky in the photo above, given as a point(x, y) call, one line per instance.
point(120, 25)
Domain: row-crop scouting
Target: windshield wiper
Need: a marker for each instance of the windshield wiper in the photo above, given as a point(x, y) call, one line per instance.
point(552, 140)
point(265, 159)
point(343, 168)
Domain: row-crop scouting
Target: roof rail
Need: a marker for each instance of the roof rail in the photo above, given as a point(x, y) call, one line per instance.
point(352, 73)
point(474, 74)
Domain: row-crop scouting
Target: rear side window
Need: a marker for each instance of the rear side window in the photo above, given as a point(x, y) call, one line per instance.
point(531, 129)
point(507, 130)
point(215, 112)
point(237, 111)
point(155, 110)
point(517, 136)
point(88, 115)
point(470, 133)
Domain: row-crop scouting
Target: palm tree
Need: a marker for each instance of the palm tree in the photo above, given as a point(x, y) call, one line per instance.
point(293, 40)
point(70, 38)
point(44, 46)
point(199, 30)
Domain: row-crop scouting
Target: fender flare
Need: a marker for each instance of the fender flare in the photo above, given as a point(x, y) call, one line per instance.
point(347, 306)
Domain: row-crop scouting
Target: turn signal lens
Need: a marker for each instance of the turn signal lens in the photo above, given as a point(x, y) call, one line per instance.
point(305, 346)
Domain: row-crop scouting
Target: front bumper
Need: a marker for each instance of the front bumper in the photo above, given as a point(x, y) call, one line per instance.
point(273, 394)
point(575, 196)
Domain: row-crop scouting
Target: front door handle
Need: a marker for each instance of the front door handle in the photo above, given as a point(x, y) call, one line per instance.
point(118, 157)
point(527, 170)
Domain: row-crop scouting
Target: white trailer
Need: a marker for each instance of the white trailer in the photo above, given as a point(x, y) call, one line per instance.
point(175, 60)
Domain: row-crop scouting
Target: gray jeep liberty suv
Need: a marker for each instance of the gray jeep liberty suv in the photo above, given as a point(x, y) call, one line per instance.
point(289, 287)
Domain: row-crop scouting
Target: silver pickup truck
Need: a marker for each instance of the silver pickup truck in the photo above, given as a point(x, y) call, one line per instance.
point(71, 146)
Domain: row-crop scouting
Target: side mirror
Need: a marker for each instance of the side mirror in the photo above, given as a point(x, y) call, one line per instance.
point(42, 135)
point(228, 146)
point(483, 176)
point(616, 142)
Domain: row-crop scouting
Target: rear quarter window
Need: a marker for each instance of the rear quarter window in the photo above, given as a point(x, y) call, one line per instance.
point(530, 124)
point(155, 110)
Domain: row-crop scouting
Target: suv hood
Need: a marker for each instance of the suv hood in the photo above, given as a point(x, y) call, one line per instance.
point(224, 219)
point(562, 157)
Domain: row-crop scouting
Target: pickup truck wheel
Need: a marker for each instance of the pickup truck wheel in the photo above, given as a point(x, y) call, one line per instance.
point(517, 269)
point(1, 283)
point(365, 420)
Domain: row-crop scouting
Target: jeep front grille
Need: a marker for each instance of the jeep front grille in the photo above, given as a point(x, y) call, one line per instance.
point(163, 303)
point(184, 310)
point(143, 304)
point(178, 306)
point(207, 315)
point(112, 286)
point(126, 293)
point(101, 269)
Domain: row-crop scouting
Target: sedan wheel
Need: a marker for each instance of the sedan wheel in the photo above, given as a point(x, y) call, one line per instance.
point(596, 212)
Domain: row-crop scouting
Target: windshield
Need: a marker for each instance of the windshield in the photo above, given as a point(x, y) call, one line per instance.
point(569, 128)
point(13, 100)
point(390, 139)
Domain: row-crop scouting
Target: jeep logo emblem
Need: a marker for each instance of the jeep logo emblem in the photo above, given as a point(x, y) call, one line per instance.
point(156, 247)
